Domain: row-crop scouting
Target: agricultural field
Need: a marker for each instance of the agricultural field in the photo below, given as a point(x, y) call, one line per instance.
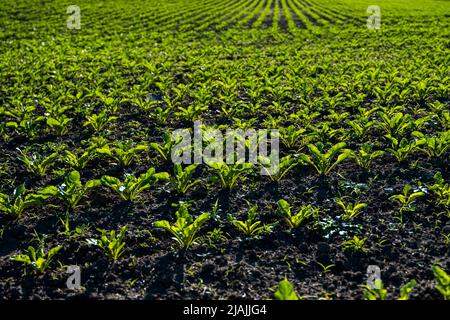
point(93, 205)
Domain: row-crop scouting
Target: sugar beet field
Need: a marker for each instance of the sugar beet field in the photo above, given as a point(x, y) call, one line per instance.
point(101, 199)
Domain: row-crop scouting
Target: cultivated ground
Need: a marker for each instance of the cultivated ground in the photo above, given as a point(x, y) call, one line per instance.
point(94, 103)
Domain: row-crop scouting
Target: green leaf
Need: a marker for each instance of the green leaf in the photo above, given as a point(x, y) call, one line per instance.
point(49, 191)
point(92, 184)
point(285, 291)
point(19, 191)
point(110, 181)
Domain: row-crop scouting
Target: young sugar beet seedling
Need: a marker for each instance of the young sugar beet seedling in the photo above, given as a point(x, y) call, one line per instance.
point(215, 211)
point(277, 172)
point(401, 149)
point(4, 131)
point(245, 124)
point(99, 121)
point(112, 244)
point(15, 204)
point(354, 245)
point(123, 153)
point(214, 239)
point(442, 191)
point(59, 123)
point(442, 282)
point(360, 127)
point(185, 228)
point(37, 258)
point(422, 122)
point(108, 101)
point(72, 190)
point(191, 112)
point(36, 163)
point(365, 156)
point(324, 134)
point(285, 291)
point(323, 161)
point(406, 200)
point(292, 138)
point(378, 292)
point(183, 177)
point(295, 220)
point(395, 125)
point(434, 147)
point(25, 121)
point(351, 210)
point(161, 114)
point(337, 117)
point(78, 162)
point(94, 143)
point(229, 174)
point(250, 227)
point(444, 119)
point(132, 186)
point(72, 233)
point(325, 268)
point(165, 149)
point(446, 238)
